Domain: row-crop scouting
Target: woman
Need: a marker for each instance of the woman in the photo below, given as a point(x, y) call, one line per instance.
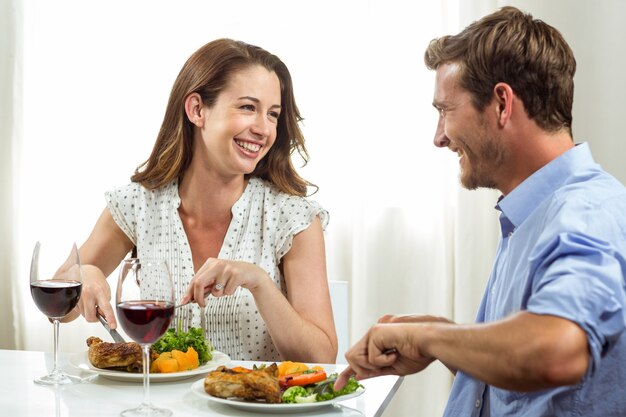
point(219, 199)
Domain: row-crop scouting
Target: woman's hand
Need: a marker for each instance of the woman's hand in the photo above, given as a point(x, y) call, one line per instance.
point(222, 277)
point(101, 254)
point(96, 294)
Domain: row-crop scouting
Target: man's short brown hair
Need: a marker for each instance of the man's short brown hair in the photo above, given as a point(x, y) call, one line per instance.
point(510, 46)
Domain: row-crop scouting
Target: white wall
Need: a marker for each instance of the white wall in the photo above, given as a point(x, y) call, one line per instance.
point(596, 33)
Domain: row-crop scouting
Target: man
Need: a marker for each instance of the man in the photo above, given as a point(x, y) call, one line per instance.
point(549, 338)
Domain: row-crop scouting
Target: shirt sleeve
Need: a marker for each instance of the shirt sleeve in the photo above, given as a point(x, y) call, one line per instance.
point(121, 202)
point(296, 215)
point(581, 278)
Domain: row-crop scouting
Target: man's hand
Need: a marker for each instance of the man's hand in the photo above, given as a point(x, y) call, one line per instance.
point(386, 349)
point(412, 318)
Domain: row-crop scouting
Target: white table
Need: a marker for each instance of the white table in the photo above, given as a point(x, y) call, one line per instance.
point(20, 396)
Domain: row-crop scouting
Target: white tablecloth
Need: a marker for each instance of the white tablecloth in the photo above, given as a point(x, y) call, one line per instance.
point(99, 396)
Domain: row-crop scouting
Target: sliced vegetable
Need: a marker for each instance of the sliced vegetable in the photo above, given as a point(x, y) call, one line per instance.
point(175, 361)
point(165, 363)
point(300, 379)
point(289, 367)
point(179, 340)
point(311, 384)
point(186, 360)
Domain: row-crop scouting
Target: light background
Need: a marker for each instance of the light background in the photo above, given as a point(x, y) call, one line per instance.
point(87, 83)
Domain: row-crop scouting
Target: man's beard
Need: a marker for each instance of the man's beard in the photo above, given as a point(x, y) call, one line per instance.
point(482, 167)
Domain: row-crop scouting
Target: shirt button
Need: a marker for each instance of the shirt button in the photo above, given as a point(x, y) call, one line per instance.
point(477, 404)
point(509, 234)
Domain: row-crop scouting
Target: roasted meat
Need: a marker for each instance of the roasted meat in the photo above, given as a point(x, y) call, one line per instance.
point(122, 356)
point(257, 384)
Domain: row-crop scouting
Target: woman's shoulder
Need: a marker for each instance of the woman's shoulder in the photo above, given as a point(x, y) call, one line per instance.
point(127, 189)
point(260, 188)
point(285, 205)
point(137, 192)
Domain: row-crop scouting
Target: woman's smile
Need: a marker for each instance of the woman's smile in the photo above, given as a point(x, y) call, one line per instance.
point(249, 148)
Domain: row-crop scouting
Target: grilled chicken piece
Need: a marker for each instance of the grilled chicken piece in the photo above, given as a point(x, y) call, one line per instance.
point(123, 356)
point(258, 384)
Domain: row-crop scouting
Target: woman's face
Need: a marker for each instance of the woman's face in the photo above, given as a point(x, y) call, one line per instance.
point(240, 128)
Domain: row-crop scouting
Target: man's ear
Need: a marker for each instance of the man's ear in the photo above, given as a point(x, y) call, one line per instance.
point(503, 94)
point(194, 109)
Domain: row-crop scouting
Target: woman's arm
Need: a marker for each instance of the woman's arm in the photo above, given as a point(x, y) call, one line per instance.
point(100, 255)
point(302, 325)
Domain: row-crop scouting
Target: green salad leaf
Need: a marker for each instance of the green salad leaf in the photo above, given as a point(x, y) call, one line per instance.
point(298, 394)
point(179, 340)
point(325, 390)
point(320, 391)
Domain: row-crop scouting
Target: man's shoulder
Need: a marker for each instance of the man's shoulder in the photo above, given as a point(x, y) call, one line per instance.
point(594, 189)
point(593, 205)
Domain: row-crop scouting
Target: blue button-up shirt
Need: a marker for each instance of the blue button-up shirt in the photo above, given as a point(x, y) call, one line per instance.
point(562, 253)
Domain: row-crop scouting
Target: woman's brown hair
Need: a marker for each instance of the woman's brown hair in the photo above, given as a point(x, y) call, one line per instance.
point(207, 72)
point(510, 46)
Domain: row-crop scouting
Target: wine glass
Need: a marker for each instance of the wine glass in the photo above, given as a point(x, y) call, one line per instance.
point(145, 307)
point(55, 288)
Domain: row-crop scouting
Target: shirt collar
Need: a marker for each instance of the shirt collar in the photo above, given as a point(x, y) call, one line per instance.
point(520, 203)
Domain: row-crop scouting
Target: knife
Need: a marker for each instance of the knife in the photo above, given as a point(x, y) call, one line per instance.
point(114, 334)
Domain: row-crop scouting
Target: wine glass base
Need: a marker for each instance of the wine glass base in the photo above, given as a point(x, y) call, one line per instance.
point(146, 411)
point(59, 378)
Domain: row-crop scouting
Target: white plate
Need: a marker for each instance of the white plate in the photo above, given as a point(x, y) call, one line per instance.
point(261, 407)
point(81, 361)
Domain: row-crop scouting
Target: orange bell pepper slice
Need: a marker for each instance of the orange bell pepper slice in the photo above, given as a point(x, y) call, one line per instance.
point(302, 379)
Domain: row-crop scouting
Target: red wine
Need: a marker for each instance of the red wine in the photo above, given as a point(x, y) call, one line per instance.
point(145, 321)
point(55, 298)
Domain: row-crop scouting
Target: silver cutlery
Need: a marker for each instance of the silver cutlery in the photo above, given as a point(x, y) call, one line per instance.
point(114, 334)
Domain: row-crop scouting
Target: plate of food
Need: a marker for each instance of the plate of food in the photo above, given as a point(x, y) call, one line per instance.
point(81, 361)
point(263, 390)
point(176, 356)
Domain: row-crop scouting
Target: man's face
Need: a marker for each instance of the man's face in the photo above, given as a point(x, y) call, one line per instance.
point(466, 131)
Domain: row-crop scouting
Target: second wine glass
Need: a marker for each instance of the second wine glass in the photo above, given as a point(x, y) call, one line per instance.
point(55, 288)
point(145, 307)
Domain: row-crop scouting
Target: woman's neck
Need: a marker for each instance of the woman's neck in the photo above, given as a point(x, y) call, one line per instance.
point(209, 198)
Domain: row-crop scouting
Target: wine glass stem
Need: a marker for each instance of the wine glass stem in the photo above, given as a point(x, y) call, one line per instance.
point(146, 375)
point(55, 360)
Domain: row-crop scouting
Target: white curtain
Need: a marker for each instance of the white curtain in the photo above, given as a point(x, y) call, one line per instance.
point(96, 76)
point(10, 51)
point(598, 38)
